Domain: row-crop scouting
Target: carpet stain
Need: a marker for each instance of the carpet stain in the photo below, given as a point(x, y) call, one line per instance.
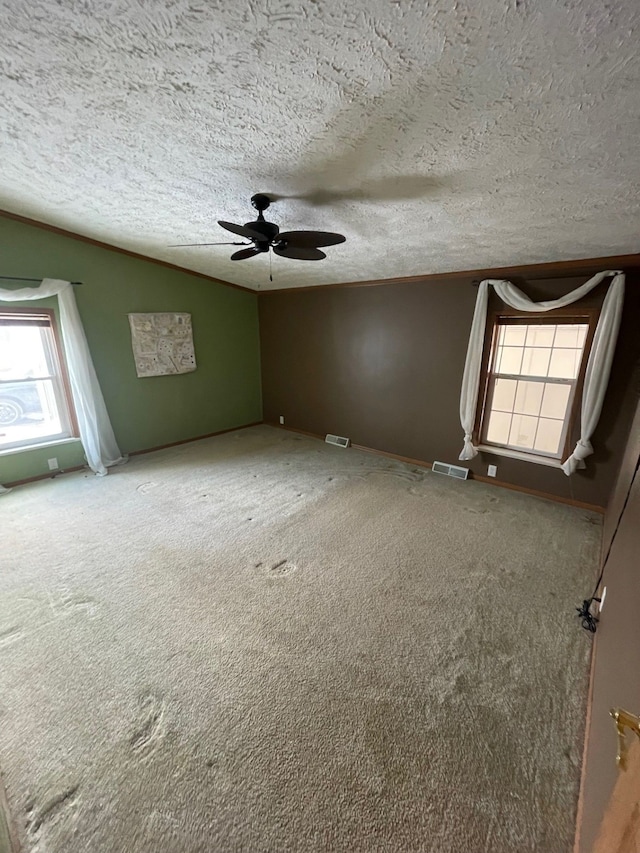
point(150, 727)
point(281, 568)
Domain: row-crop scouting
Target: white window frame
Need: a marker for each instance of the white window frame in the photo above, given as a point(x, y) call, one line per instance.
point(57, 376)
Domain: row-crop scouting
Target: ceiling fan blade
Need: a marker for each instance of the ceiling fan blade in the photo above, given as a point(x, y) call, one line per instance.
point(245, 253)
point(311, 239)
point(242, 230)
point(300, 253)
point(184, 245)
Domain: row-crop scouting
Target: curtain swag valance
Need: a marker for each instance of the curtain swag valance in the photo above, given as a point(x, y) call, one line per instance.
point(598, 365)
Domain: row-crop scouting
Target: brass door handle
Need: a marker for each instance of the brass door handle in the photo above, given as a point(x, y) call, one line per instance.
point(624, 720)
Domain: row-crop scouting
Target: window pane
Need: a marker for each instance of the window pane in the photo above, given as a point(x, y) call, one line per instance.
point(22, 352)
point(572, 336)
point(582, 335)
point(548, 436)
point(514, 336)
point(504, 394)
point(28, 411)
point(523, 431)
point(33, 403)
point(540, 336)
point(529, 398)
point(565, 363)
point(509, 360)
point(525, 413)
point(535, 361)
point(554, 401)
point(498, 429)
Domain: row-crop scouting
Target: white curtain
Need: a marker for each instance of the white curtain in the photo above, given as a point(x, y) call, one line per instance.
point(96, 433)
point(598, 366)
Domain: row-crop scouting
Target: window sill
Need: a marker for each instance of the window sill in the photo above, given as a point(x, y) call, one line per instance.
point(25, 447)
point(519, 454)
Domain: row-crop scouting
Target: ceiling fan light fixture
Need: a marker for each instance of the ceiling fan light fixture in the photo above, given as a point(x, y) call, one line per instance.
point(297, 245)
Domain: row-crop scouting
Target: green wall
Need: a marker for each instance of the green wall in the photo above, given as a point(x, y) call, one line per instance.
point(224, 392)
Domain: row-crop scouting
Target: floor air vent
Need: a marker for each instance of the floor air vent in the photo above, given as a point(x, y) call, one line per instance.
point(451, 470)
point(338, 440)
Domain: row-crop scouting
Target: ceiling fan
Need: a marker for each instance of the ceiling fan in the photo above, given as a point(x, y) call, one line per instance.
point(299, 245)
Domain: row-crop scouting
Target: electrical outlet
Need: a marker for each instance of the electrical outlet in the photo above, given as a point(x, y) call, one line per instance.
point(281, 419)
point(53, 464)
point(602, 598)
point(492, 470)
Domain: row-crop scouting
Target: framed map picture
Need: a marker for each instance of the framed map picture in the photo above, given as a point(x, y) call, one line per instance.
point(162, 344)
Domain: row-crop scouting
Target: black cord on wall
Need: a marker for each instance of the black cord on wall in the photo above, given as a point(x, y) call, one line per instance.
point(588, 621)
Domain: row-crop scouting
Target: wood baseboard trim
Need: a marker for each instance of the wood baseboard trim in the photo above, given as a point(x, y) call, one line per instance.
point(408, 459)
point(537, 494)
point(53, 474)
point(422, 463)
point(190, 440)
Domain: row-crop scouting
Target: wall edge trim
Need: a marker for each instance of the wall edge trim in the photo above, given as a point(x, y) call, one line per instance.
point(54, 475)
point(189, 440)
point(549, 269)
point(73, 235)
point(533, 271)
point(585, 748)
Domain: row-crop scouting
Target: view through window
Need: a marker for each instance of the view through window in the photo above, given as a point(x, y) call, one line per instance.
point(533, 371)
point(34, 403)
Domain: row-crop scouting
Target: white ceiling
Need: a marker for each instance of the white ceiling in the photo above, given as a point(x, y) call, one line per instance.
point(439, 136)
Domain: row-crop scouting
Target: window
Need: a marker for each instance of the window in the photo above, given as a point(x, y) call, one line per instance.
point(35, 405)
point(534, 371)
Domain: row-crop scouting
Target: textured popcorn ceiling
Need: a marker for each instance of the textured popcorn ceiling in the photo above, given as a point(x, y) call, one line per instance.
point(435, 135)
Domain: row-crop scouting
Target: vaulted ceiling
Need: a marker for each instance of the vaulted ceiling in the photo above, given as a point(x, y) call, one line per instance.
point(437, 136)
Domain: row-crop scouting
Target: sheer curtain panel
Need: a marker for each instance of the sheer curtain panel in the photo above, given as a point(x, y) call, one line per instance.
point(96, 434)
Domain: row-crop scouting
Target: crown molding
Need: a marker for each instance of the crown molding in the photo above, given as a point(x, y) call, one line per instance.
point(92, 242)
point(552, 269)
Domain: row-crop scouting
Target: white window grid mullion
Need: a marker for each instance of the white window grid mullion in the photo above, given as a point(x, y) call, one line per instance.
point(28, 379)
point(519, 378)
point(522, 377)
point(494, 374)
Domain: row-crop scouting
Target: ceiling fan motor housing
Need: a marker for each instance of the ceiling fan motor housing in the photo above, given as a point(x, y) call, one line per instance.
point(268, 229)
point(299, 245)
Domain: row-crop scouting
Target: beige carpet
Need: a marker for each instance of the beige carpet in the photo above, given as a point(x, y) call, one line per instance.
point(259, 642)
